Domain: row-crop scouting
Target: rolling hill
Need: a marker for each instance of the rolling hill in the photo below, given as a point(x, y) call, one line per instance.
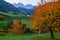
point(7, 7)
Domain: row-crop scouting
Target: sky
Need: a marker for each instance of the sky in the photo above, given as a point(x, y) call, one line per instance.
point(33, 2)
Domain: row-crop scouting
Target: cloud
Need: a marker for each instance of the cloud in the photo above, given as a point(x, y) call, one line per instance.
point(33, 2)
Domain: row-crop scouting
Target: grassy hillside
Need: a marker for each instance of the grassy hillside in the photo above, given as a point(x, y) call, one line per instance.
point(12, 15)
point(9, 14)
point(6, 22)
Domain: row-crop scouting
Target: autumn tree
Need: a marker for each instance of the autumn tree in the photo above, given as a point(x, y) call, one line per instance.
point(46, 17)
point(16, 27)
point(1, 17)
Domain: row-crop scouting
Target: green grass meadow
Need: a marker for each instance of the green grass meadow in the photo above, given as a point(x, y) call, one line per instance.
point(5, 23)
point(26, 36)
point(45, 36)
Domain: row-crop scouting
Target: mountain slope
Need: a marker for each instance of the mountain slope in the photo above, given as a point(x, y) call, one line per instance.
point(6, 7)
point(25, 8)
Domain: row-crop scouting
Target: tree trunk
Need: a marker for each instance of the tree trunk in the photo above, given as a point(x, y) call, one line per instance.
point(42, 1)
point(51, 31)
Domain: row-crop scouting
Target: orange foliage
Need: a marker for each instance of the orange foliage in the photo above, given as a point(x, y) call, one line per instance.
point(1, 17)
point(46, 15)
point(17, 27)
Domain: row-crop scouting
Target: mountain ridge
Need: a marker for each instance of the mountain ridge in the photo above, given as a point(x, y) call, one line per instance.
point(25, 8)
